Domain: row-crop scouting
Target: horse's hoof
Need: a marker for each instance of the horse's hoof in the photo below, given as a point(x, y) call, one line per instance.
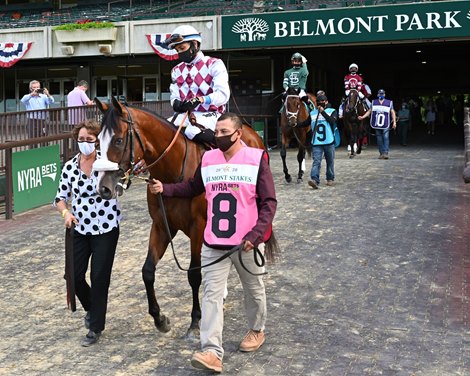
point(288, 179)
point(359, 151)
point(351, 156)
point(163, 325)
point(193, 335)
point(299, 180)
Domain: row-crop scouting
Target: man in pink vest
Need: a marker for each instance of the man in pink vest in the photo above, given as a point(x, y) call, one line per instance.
point(241, 203)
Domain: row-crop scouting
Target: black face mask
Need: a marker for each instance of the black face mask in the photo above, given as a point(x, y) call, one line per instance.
point(188, 55)
point(224, 142)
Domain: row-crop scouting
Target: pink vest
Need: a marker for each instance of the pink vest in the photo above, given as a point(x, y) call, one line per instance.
point(231, 195)
point(195, 80)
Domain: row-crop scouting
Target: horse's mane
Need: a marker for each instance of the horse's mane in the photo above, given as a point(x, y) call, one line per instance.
point(292, 91)
point(111, 118)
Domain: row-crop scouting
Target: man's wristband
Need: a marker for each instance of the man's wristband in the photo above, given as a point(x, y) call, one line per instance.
point(65, 211)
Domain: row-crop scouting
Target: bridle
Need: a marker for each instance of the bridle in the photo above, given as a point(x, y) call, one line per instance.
point(132, 131)
point(348, 102)
point(292, 115)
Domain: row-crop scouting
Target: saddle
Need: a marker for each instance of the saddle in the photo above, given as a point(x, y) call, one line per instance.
point(207, 136)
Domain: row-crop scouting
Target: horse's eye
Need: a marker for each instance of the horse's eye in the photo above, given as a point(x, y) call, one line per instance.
point(118, 141)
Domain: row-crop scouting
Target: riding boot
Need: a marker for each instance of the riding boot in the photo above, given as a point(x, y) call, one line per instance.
point(206, 138)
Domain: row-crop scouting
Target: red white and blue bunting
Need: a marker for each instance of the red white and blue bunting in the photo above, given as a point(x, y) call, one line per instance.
point(158, 45)
point(11, 53)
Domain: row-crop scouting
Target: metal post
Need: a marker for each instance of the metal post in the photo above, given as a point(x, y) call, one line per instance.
point(466, 129)
point(9, 185)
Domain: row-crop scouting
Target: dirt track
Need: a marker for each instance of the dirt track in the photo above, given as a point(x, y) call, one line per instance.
point(374, 281)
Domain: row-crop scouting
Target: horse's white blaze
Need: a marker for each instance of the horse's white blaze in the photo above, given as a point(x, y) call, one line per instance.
point(103, 164)
point(105, 140)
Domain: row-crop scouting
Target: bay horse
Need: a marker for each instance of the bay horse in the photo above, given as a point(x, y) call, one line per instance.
point(129, 135)
point(295, 111)
point(354, 129)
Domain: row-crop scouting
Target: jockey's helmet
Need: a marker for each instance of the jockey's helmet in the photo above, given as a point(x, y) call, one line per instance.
point(296, 60)
point(181, 34)
point(353, 68)
point(381, 92)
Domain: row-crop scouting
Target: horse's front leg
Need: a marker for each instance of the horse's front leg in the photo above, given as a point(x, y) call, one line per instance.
point(284, 164)
point(300, 159)
point(157, 246)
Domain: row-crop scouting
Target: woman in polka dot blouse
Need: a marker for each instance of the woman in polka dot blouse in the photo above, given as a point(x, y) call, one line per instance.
point(96, 228)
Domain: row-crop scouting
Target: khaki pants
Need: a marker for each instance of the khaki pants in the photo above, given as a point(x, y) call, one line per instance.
point(214, 279)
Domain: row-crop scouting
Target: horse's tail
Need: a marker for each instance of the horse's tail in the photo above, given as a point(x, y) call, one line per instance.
point(272, 250)
point(308, 143)
point(308, 148)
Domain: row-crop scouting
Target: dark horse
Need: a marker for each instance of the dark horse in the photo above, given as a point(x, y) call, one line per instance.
point(130, 134)
point(354, 128)
point(293, 112)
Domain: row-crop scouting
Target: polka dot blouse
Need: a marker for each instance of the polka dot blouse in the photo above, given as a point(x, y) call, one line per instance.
point(94, 214)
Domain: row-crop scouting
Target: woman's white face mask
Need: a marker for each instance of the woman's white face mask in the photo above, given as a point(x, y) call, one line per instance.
point(86, 148)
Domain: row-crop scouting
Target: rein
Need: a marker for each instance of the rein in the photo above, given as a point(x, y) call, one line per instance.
point(165, 152)
point(294, 115)
point(257, 255)
point(129, 141)
point(355, 105)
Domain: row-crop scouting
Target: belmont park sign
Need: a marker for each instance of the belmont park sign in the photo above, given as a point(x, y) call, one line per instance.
point(416, 21)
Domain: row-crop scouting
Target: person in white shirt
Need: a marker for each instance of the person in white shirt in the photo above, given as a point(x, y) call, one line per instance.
point(37, 99)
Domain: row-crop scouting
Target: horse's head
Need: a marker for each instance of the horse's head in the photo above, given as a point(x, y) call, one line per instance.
point(292, 105)
point(352, 101)
point(117, 148)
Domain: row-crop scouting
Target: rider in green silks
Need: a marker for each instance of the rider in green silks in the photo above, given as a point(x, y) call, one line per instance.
point(296, 78)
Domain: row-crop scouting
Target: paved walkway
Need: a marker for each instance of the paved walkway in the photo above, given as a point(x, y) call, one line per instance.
point(374, 280)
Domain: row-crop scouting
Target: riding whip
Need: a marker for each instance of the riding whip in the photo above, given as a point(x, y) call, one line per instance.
point(69, 271)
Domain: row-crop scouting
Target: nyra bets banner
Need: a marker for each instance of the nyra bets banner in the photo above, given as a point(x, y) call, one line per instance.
point(36, 174)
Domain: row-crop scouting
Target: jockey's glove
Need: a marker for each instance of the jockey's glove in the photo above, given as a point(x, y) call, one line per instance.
point(178, 106)
point(183, 106)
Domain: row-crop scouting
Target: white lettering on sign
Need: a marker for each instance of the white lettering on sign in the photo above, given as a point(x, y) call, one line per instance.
point(32, 177)
point(366, 25)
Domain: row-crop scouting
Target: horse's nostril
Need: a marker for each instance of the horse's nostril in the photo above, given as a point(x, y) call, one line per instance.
point(105, 193)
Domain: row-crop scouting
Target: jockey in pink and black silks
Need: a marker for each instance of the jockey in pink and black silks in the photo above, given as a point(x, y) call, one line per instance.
point(199, 84)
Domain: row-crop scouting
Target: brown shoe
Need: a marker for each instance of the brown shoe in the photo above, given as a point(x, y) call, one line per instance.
point(253, 341)
point(330, 183)
point(206, 360)
point(313, 184)
point(386, 156)
point(381, 156)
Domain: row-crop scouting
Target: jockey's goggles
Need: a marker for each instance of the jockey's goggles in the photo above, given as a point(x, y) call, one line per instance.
point(175, 39)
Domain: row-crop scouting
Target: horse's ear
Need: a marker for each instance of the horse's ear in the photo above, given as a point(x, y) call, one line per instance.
point(117, 105)
point(103, 107)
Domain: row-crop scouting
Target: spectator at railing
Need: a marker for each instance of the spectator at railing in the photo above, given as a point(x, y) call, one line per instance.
point(37, 99)
point(78, 97)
